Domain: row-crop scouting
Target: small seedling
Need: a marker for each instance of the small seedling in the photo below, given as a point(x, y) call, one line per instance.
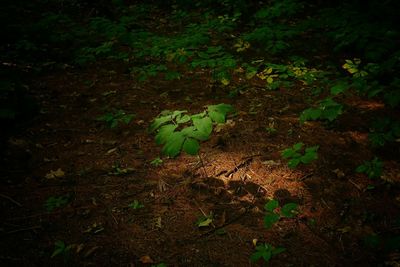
point(371, 168)
point(136, 205)
point(204, 221)
point(288, 210)
point(112, 119)
point(295, 157)
point(53, 203)
point(61, 249)
point(265, 251)
point(156, 162)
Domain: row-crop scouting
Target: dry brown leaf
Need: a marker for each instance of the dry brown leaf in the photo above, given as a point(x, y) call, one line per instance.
point(146, 259)
point(55, 174)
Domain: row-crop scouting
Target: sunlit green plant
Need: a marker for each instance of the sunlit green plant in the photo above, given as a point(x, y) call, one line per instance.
point(296, 157)
point(179, 131)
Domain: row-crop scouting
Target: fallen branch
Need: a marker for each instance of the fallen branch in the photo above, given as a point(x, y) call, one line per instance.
point(12, 200)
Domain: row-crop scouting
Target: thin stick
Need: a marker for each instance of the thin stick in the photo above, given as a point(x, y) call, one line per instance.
point(12, 200)
point(24, 229)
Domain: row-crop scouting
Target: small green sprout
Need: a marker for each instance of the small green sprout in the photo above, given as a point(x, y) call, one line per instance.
point(136, 205)
point(112, 119)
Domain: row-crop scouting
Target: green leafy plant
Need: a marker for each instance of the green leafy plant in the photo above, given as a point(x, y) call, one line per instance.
point(178, 131)
point(136, 205)
point(271, 217)
point(371, 168)
point(295, 157)
point(327, 109)
point(353, 67)
point(114, 118)
point(265, 251)
point(53, 203)
point(60, 248)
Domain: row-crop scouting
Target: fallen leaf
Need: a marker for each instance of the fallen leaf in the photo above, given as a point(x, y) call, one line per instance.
point(55, 174)
point(146, 259)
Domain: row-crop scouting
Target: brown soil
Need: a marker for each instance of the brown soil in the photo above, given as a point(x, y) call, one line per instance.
point(240, 168)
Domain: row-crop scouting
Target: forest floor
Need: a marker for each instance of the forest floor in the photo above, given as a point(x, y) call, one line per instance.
point(101, 171)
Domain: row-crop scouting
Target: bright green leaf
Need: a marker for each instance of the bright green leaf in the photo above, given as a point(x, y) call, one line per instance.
point(191, 146)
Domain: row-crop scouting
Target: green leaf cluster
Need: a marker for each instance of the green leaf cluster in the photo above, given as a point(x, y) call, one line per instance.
point(265, 251)
point(288, 210)
point(179, 131)
point(112, 119)
point(328, 109)
point(371, 168)
point(136, 205)
point(295, 157)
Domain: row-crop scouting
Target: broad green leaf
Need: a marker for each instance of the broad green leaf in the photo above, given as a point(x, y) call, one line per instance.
point(361, 169)
point(310, 114)
point(289, 210)
point(217, 116)
point(173, 146)
point(312, 149)
point(308, 157)
point(158, 122)
point(271, 205)
point(176, 113)
point(198, 135)
point(204, 125)
point(256, 256)
point(278, 250)
point(339, 88)
point(293, 163)
point(270, 219)
point(164, 133)
point(221, 108)
point(298, 146)
point(183, 119)
point(191, 146)
point(288, 153)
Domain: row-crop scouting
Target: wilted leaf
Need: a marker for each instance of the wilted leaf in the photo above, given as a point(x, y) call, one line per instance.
point(55, 174)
